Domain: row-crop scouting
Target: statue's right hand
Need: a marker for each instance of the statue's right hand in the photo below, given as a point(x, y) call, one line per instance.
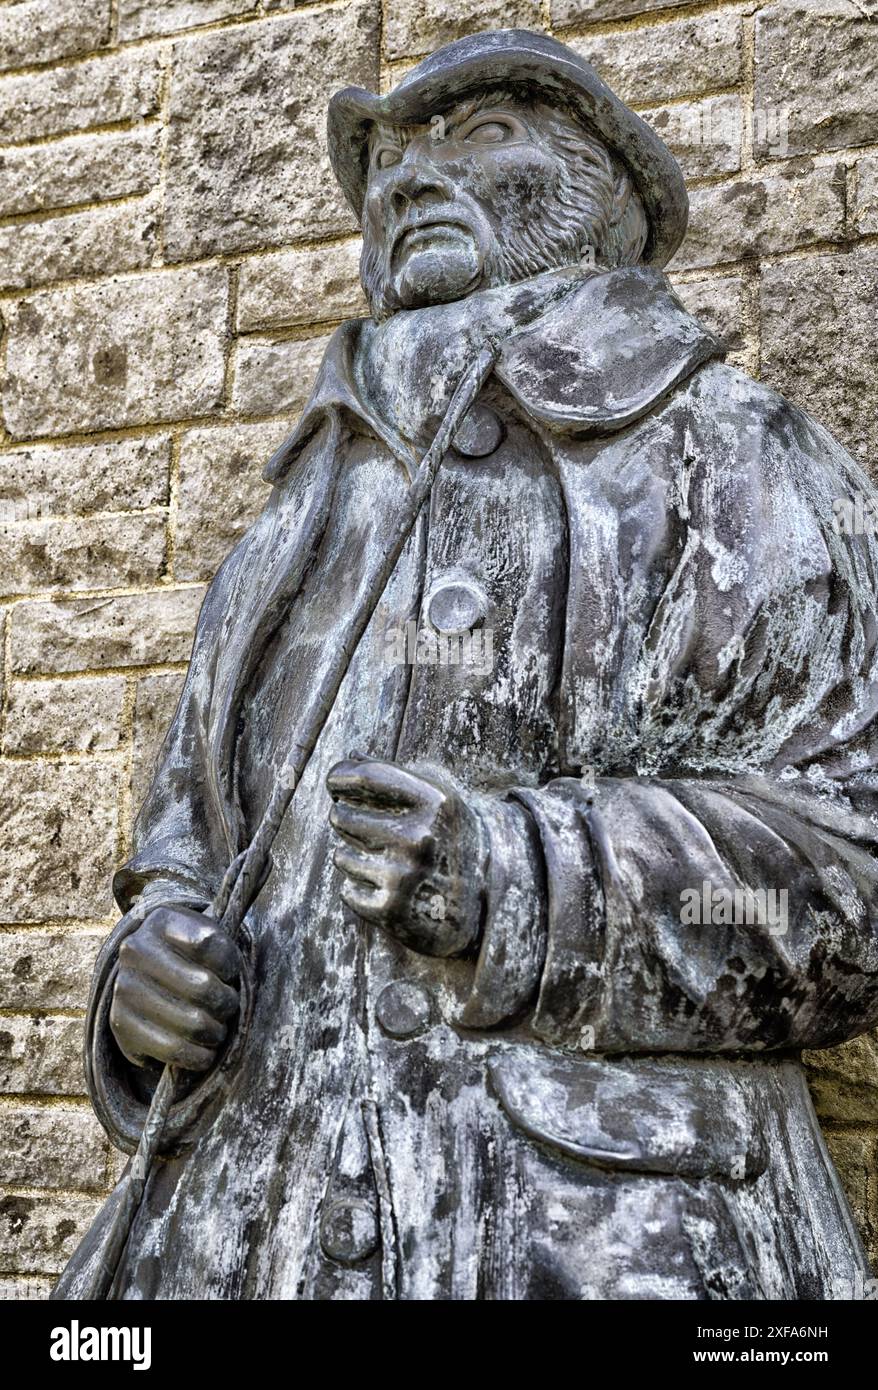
point(175, 992)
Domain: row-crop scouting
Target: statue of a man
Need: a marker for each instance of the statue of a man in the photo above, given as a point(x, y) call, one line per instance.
point(586, 850)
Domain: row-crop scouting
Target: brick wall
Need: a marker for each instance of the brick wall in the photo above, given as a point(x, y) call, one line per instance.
point(173, 254)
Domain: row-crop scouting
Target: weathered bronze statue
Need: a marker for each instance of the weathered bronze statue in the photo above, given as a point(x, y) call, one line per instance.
point(585, 849)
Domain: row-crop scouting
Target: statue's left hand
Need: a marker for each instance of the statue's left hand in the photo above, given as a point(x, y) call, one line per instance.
point(409, 855)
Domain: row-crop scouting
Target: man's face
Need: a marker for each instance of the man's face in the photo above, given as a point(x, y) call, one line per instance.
point(448, 202)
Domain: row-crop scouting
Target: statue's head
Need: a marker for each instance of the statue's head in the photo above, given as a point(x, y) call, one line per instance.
point(498, 157)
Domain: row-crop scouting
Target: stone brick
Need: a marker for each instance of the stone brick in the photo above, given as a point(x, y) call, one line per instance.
point(64, 716)
point(40, 1234)
point(757, 217)
point(566, 12)
point(41, 31)
point(41, 1056)
point(247, 162)
point(656, 64)
point(856, 1157)
point(124, 87)
point(146, 629)
point(25, 1289)
point(58, 846)
point(101, 241)
point(817, 62)
point(419, 26)
point(140, 18)
point(844, 1081)
point(46, 970)
point(721, 304)
point(124, 474)
point(704, 136)
point(293, 287)
point(221, 491)
point(820, 342)
point(119, 353)
point(154, 708)
point(53, 1146)
point(91, 552)
point(867, 195)
point(80, 169)
point(275, 377)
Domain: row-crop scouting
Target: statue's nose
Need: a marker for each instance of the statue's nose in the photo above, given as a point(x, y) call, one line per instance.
point(418, 180)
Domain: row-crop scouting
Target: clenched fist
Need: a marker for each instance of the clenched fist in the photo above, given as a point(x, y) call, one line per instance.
point(409, 854)
point(175, 992)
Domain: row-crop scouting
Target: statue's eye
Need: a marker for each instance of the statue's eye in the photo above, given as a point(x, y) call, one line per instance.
point(492, 128)
point(387, 156)
point(488, 132)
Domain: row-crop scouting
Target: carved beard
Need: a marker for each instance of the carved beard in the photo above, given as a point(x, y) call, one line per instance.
point(575, 214)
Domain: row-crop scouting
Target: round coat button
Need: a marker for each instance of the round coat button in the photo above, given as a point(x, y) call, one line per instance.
point(479, 433)
point(349, 1230)
point(404, 1009)
point(455, 606)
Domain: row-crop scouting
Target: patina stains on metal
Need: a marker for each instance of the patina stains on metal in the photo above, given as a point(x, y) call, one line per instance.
point(480, 1051)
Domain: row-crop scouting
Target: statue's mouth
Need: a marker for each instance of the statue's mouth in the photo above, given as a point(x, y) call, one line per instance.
point(410, 236)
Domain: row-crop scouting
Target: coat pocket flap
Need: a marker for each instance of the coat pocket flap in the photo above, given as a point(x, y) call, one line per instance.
point(649, 1115)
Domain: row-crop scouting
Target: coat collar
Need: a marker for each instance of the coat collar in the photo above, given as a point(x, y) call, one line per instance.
point(593, 363)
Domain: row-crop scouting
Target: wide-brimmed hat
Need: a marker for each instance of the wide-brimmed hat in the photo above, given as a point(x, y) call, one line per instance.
point(515, 57)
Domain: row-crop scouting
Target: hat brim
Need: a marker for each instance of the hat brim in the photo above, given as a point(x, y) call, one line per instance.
point(516, 57)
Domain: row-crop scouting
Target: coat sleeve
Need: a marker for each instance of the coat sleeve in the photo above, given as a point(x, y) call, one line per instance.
point(715, 889)
point(181, 852)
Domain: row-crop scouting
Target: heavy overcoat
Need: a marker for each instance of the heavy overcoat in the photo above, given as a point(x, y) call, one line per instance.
point(604, 1098)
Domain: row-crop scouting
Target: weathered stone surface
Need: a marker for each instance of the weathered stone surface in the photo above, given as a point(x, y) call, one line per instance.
point(584, 11)
point(24, 1289)
point(866, 213)
point(39, 1234)
point(140, 18)
point(248, 112)
point(146, 629)
point(91, 552)
point(62, 716)
point(118, 1163)
point(45, 969)
point(856, 1159)
point(294, 287)
point(124, 474)
point(101, 241)
point(419, 26)
point(221, 491)
point(844, 1081)
point(817, 61)
point(704, 136)
point(123, 87)
point(154, 708)
point(59, 840)
point(52, 1146)
point(275, 377)
point(678, 59)
point(40, 31)
point(813, 310)
point(118, 353)
point(721, 304)
point(81, 169)
point(41, 1055)
point(755, 217)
